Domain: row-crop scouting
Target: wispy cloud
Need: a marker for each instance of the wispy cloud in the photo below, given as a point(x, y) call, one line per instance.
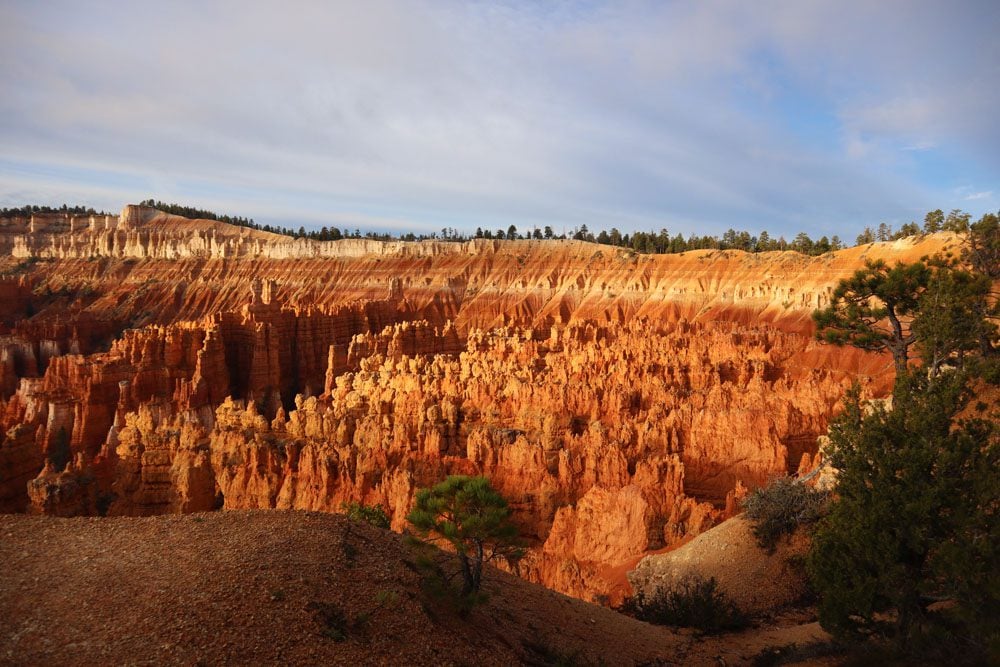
point(920, 146)
point(694, 116)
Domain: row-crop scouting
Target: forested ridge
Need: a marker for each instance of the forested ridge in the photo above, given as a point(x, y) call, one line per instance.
point(661, 242)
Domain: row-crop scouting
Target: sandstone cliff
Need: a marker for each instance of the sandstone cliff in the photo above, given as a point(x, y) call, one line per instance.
point(618, 401)
point(480, 283)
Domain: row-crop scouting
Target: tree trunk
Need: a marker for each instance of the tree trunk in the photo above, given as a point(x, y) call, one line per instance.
point(468, 582)
point(899, 359)
point(911, 608)
point(986, 345)
point(477, 568)
point(899, 346)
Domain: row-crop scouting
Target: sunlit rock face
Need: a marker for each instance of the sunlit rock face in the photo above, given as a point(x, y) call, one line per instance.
point(620, 402)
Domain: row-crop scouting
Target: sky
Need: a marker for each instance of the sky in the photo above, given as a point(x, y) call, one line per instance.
point(403, 115)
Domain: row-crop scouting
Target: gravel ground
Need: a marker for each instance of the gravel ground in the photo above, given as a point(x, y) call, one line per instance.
point(254, 587)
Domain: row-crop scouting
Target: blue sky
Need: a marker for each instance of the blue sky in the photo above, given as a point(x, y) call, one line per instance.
point(405, 115)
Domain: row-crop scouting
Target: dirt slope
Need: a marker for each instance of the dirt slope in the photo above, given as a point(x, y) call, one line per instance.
point(242, 587)
point(752, 578)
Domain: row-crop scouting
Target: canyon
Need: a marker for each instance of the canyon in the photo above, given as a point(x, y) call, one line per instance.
point(622, 403)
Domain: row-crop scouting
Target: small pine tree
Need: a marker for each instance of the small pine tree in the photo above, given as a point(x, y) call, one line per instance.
point(468, 514)
point(933, 221)
point(865, 237)
point(957, 221)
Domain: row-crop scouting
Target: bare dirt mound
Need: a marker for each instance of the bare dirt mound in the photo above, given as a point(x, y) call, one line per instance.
point(754, 579)
point(276, 587)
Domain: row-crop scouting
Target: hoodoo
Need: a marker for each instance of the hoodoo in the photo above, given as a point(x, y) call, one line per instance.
point(499, 333)
point(621, 402)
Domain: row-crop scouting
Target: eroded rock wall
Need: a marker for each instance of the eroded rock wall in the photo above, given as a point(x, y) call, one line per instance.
point(619, 401)
point(597, 434)
point(263, 352)
point(478, 284)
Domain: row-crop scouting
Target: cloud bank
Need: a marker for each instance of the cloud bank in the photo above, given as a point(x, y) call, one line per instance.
point(695, 116)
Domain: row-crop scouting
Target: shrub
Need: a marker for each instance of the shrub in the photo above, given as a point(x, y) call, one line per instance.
point(371, 514)
point(780, 507)
point(695, 603)
point(384, 600)
point(334, 622)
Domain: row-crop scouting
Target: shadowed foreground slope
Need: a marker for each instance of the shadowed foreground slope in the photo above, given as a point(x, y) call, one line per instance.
point(243, 586)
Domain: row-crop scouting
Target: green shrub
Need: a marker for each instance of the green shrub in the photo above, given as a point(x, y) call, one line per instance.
point(695, 603)
point(371, 514)
point(334, 622)
point(780, 507)
point(384, 600)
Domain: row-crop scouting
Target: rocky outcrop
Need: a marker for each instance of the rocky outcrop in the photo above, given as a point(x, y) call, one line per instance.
point(160, 268)
point(620, 402)
point(141, 232)
point(21, 459)
point(15, 299)
point(158, 465)
point(264, 352)
point(68, 492)
point(595, 433)
point(17, 360)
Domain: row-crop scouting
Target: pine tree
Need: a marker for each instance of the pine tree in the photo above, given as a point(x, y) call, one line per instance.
point(915, 516)
point(957, 221)
point(917, 486)
point(467, 513)
point(870, 309)
point(933, 221)
point(950, 318)
point(982, 250)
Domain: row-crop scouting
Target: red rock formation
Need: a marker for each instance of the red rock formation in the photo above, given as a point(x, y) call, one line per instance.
point(70, 492)
point(595, 433)
point(21, 459)
point(620, 402)
point(263, 352)
point(159, 268)
point(15, 297)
